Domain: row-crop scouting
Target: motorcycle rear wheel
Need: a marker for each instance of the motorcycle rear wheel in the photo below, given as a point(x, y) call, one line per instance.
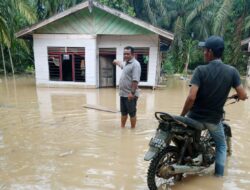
point(167, 156)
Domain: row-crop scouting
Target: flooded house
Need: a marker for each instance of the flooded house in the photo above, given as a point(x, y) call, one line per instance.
point(75, 48)
point(246, 48)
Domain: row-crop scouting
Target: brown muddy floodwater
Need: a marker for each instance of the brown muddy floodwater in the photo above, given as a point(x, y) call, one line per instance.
point(48, 140)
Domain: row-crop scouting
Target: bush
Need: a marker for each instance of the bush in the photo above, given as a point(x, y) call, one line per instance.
point(168, 66)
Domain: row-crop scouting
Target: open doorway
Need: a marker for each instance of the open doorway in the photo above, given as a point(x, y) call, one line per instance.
point(107, 71)
point(67, 67)
point(142, 55)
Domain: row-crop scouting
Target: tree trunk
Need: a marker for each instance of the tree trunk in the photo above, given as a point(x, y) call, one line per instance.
point(186, 65)
point(11, 62)
point(4, 68)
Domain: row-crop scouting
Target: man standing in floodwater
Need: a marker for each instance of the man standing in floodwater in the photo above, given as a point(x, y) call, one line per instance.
point(128, 86)
point(210, 86)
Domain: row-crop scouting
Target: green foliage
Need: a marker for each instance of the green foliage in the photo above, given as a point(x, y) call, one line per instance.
point(168, 66)
point(13, 16)
point(176, 58)
point(119, 5)
point(47, 8)
point(145, 59)
point(30, 69)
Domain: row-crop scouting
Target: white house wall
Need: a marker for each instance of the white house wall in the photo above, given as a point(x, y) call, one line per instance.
point(43, 41)
point(248, 73)
point(119, 42)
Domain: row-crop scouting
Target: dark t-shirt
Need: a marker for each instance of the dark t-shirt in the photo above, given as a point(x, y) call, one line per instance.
point(214, 81)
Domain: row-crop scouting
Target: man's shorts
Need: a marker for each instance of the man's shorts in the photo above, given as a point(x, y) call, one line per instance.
point(128, 106)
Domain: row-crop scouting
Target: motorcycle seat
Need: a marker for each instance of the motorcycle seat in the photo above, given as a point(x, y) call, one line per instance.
point(162, 116)
point(190, 122)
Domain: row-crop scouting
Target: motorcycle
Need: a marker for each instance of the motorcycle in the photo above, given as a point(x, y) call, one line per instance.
point(179, 148)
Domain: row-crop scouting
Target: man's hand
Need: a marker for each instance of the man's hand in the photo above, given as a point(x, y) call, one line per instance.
point(116, 62)
point(130, 96)
point(241, 93)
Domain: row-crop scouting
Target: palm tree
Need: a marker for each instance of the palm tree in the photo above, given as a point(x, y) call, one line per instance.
point(241, 20)
point(10, 11)
point(247, 19)
point(4, 39)
point(189, 19)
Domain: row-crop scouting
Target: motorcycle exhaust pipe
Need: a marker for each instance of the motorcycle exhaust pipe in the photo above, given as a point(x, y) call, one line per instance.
point(187, 169)
point(178, 169)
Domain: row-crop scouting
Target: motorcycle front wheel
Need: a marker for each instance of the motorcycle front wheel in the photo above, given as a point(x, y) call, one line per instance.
point(157, 171)
point(229, 145)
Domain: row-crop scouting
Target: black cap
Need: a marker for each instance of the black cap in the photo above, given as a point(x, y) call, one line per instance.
point(213, 42)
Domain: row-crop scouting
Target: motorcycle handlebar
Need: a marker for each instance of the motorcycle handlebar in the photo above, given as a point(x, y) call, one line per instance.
point(235, 96)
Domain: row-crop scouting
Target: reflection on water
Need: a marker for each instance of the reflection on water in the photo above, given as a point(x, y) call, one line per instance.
point(48, 140)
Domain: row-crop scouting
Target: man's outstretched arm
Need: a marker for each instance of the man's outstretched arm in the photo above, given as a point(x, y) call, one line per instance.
point(118, 63)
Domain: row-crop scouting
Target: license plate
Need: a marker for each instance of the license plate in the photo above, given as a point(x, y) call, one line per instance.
point(158, 143)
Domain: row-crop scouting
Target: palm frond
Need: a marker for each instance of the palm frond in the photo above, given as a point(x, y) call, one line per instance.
point(179, 32)
point(4, 33)
point(150, 12)
point(25, 9)
point(221, 17)
point(23, 44)
point(160, 7)
point(189, 2)
point(247, 23)
point(198, 10)
point(201, 31)
point(173, 14)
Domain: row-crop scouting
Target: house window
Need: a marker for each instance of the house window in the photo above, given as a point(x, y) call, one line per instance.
point(142, 55)
point(66, 64)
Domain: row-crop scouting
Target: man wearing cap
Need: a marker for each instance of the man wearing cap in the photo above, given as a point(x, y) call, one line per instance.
point(210, 86)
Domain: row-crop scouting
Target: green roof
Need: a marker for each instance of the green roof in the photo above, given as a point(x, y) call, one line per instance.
point(97, 22)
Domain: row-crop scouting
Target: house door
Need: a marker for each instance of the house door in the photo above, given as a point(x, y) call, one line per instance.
point(67, 67)
point(107, 71)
